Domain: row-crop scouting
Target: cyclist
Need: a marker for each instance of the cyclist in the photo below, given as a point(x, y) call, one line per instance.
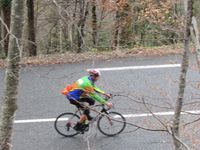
point(85, 90)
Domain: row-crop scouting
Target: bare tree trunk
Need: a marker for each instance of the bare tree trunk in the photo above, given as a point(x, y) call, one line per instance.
point(117, 28)
point(79, 33)
point(61, 37)
point(126, 23)
point(32, 48)
point(134, 30)
point(73, 25)
point(81, 24)
point(6, 18)
point(9, 104)
point(94, 23)
point(1, 46)
point(182, 84)
point(101, 18)
point(196, 39)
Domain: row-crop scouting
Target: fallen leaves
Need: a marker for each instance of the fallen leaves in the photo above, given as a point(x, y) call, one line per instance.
point(70, 57)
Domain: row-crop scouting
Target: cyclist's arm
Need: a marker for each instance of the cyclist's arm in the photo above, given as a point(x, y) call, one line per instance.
point(101, 92)
point(98, 90)
point(100, 99)
point(97, 98)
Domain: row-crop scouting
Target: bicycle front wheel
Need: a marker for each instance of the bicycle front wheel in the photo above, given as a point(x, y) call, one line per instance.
point(111, 124)
point(64, 124)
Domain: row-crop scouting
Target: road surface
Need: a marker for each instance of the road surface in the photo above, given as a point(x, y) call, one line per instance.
point(154, 79)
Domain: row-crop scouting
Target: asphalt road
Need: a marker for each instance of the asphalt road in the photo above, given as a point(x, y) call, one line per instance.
point(39, 98)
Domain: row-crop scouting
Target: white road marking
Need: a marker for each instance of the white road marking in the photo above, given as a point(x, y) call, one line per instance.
point(196, 112)
point(140, 67)
point(39, 120)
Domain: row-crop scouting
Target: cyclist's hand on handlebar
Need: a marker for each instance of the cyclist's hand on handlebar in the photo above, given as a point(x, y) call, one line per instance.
point(108, 96)
point(109, 104)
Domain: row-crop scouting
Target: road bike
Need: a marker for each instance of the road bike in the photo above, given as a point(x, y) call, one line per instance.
point(109, 123)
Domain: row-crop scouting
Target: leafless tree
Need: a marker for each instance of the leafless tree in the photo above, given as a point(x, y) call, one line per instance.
point(5, 13)
point(32, 47)
point(9, 104)
point(94, 23)
point(84, 10)
point(196, 39)
point(182, 80)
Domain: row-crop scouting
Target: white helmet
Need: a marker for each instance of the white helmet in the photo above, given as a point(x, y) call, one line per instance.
point(95, 72)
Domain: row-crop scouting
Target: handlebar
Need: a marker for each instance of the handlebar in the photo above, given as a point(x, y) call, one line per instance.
point(111, 96)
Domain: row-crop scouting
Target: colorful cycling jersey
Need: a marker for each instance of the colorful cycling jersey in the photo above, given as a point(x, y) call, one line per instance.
point(85, 87)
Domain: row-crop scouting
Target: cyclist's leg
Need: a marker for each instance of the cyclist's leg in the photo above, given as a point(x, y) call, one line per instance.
point(79, 125)
point(88, 100)
point(87, 111)
point(83, 117)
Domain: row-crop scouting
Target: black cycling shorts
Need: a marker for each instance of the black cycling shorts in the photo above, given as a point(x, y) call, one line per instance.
point(78, 105)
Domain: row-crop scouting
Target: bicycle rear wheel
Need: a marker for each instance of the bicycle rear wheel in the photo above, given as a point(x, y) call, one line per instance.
point(64, 124)
point(111, 124)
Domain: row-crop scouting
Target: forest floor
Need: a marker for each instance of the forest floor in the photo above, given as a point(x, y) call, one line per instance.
point(70, 57)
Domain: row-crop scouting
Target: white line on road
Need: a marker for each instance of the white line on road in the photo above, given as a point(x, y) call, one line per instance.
point(140, 67)
point(39, 120)
point(197, 112)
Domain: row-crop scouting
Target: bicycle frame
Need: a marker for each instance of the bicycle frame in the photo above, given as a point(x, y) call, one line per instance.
point(99, 114)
